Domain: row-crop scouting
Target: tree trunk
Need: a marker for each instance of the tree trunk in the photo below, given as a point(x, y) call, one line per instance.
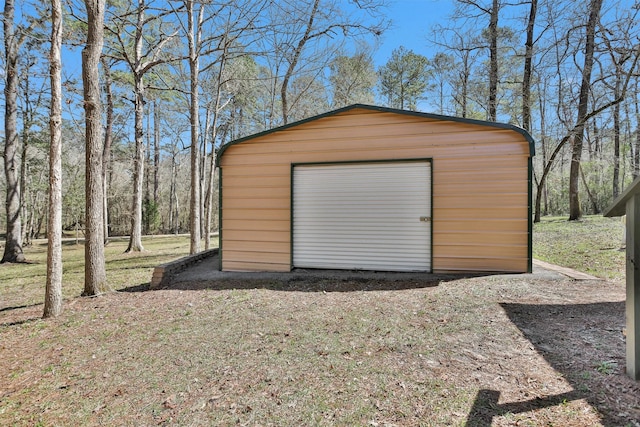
point(210, 192)
point(596, 139)
point(545, 173)
point(106, 151)
point(209, 201)
point(172, 195)
point(465, 84)
point(208, 185)
point(26, 125)
point(202, 157)
point(493, 61)
point(146, 206)
point(575, 211)
point(156, 152)
point(616, 138)
point(24, 179)
point(95, 277)
point(13, 239)
point(528, 58)
point(53, 291)
point(541, 185)
point(135, 236)
point(194, 112)
point(594, 202)
point(636, 154)
point(628, 138)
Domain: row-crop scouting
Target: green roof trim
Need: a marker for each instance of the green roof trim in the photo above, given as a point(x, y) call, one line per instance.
point(619, 206)
point(527, 136)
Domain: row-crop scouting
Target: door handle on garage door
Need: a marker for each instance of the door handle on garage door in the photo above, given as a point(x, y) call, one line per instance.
point(425, 218)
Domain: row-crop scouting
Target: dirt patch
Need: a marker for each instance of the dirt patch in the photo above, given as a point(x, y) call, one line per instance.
point(534, 349)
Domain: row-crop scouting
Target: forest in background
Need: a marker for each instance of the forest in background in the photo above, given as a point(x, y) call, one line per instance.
point(180, 78)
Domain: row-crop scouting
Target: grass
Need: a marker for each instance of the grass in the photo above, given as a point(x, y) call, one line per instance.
point(23, 284)
point(594, 245)
point(435, 351)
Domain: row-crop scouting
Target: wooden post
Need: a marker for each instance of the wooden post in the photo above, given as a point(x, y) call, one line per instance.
point(633, 287)
point(629, 203)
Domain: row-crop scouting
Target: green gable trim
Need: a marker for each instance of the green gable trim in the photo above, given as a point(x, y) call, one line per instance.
point(527, 136)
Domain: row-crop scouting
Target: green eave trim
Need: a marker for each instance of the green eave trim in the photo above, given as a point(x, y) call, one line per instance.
point(524, 133)
point(619, 205)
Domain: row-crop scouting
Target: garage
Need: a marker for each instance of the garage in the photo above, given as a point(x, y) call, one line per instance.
point(374, 188)
point(369, 216)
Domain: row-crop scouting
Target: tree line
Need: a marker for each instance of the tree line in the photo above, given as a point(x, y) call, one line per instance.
point(114, 111)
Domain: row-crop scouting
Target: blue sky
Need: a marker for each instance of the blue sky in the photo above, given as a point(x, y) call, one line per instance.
point(411, 21)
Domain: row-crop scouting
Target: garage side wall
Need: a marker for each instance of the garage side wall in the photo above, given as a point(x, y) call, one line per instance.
point(480, 187)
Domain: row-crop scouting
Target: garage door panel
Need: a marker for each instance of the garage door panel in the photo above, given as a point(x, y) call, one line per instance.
point(362, 216)
point(329, 249)
point(364, 264)
point(390, 236)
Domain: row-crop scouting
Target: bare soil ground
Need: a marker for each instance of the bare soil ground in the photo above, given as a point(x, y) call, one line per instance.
point(529, 350)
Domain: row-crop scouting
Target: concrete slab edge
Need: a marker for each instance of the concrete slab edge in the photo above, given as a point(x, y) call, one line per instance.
point(163, 273)
point(569, 272)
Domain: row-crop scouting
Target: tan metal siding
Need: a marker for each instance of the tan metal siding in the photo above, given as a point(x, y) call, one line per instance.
point(480, 187)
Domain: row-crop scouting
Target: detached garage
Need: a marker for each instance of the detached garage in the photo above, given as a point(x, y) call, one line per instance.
point(371, 188)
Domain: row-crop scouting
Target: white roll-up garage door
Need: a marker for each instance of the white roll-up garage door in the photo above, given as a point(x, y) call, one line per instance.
point(370, 216)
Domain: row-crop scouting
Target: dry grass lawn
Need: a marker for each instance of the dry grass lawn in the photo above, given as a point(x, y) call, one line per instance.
point(527, 350)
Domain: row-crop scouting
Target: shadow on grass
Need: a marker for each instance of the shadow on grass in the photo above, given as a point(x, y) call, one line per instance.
point(142, 287)
point(152, 259)
point(584, 343)
point(25, 262)
point(21, 322)
point(486, 406)
point(17, 307)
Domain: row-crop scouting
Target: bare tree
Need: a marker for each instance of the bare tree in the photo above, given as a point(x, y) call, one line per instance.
point(462, 47)
point(34, 89)
point(12, 42)
point(307, 35)
point(441, 69)
point(194, 36)
point(95, 277)
point(580, 127)
point(156, 151)
point(141, 53)
point(53, 292)
point(108, 140)
point(493, 60)
point(474, 10)
point(527, 73)
point(319, 21)
point(230, 20)
point(619, 42)
point(575, 211)
point(217, 105)
point(636, 154)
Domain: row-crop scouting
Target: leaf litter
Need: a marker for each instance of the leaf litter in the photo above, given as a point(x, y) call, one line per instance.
point(493, 350)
